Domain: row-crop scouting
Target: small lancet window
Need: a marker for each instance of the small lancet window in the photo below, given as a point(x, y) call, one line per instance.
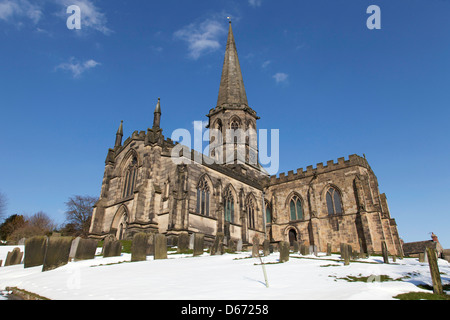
point(334, 203)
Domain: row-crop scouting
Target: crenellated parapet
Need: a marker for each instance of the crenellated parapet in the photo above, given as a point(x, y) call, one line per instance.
point(353, 160)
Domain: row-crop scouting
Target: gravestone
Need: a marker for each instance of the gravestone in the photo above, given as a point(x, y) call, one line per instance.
point(239, 245)
point(385, 252)
point(14, 257)
point(255, 247)
point(284, 248)
point(112, 248)
point(217, 247)
point(421, 257)
point(183, 243)
point(304, 250)
point(139, 247)
point(328, 249)
point(83, 249)
point(191, 241)
point(57, 254)
point(35, 249)
point(160, 242)
point(266, 247)
point(296, 247)
point(434, 270)
point(232, 246)
point(199, 239)
point(345, 254)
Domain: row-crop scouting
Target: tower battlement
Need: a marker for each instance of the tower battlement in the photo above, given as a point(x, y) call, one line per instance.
point(353, 160)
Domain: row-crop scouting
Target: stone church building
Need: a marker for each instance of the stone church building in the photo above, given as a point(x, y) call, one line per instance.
point(145, 190)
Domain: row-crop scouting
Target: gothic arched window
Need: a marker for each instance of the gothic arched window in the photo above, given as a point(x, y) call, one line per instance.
point(130, 178)
point(251, 213)
point(228, 202)
point(296, 208)
point(334, 203)
point(203, 196)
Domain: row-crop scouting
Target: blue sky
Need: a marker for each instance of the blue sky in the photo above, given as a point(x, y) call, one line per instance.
point(311, 69)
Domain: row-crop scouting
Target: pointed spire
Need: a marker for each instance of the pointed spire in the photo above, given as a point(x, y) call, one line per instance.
point(119, 135)
point(232, 90)
point(157, 115)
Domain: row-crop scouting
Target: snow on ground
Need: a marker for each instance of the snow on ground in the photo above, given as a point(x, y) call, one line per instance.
point(227, 277)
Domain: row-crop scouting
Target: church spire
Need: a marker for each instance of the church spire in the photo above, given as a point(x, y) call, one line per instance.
point(232, 91)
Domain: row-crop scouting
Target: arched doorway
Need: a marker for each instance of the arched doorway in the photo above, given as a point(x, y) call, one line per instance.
point(292, 236)
point(120, 223)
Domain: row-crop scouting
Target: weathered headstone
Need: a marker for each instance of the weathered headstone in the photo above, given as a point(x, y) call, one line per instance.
point(421, 257)
point(239, 245)
point(139, 247)
point(255, 248)
point(191, 241)
point(345, 254)
point(284, 248)
point(304, 250)
point(362, 254)
point(160, 246)
point(13, 257)
point(199, 240)
point(232, 246)
point(266, 247)
point(83, 249)
point(385, 252)
point(217, 247)
point(434, 270)
point(57, 254)
point(21, 242)
point(328, 249)
point(296, 247)
point(35, 249)
point(112, 248)
point(183, 243)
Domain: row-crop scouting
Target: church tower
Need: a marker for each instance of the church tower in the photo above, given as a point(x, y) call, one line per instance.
point(232, 123)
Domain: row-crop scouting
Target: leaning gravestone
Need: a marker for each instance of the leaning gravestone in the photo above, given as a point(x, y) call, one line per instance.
point(160, 246)
point(139, 247)
point(183, 243)
point(14, 257)
point(35, 249)
point(198, 244)
point(284, 248)
point(57, 255)
point(217, 247)
point(83, 249)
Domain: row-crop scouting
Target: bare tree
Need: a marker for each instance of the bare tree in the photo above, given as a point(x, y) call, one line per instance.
point(38, 224)
point(79, 213)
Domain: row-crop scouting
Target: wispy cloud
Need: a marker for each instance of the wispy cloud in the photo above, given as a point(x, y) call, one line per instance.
point(281, 77)
point(255, 3)
point(15, 11)
point(202, 37)
point(77, 68)
point(92, 18)
point(266, 64)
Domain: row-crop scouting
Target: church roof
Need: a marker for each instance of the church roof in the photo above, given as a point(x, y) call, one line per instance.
point(232, 90)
